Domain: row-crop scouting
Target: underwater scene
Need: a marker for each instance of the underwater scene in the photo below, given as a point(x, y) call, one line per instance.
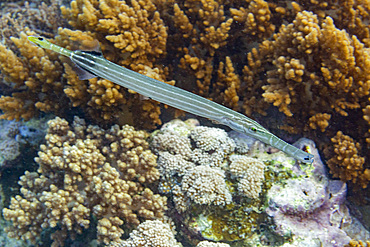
point(150, 123)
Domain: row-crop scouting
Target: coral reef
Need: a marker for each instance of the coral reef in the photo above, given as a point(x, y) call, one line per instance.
point(88, 176)
point(16, 17)
point(101, 99)
point(228, 200)
point(206, 185)
point(198, 168)
point(309, 59)
point(86, 171)
point(308, 84)
point(132, 35)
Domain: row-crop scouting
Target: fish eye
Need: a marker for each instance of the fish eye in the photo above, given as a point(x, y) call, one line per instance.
point(253, 129)
point(41, 39)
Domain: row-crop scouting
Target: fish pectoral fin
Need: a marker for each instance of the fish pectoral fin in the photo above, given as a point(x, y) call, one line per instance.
point(83, 74)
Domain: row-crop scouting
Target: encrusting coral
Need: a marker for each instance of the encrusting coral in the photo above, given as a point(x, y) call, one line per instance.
point(154, 233)
point(206, 185)
point(211, 244)
point(309, 59)
point(86, 171)
point(196, 166)
point(250, 172)
point(229, 199)
point(150, 233)
point(199, 170)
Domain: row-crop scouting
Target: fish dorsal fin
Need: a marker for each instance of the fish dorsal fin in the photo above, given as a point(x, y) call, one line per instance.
point(93, 48)
point(95, 53)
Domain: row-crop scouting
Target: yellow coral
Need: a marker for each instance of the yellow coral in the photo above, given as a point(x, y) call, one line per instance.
point(136, 28)
point(256, 20)
point(139, 35)
point(347, 164)
point(286, 88)
point(37, 76)
point(354, 243)
point(227, 85)
point(320, 120)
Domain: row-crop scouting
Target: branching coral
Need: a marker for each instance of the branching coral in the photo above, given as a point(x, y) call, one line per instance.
point(255, 19)
point(86, 171)
point(139, 38)
point(138, 44)
point(36, 79)
point(347, 164)
point(320, 74)
point(295, 74)
point(45, 18)
point(354, 243)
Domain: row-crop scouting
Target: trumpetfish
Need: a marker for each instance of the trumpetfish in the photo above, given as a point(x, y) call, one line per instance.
point(93, 64)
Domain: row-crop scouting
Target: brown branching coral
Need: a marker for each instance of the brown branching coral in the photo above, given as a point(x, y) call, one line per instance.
point(354, 243)
point(296, 79)
point(35, 79)
point(347, 164)
point(320, 74)
point(136, 29)
point(255, 19)
point(353, 16)
point(250, 21)
point(205, 30)
point(228, 84)
point(139, 37)
point(15, 18)
point(319, 121)
point(83, 171)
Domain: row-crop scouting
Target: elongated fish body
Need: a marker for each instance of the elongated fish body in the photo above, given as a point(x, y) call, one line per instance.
point(94, 64)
